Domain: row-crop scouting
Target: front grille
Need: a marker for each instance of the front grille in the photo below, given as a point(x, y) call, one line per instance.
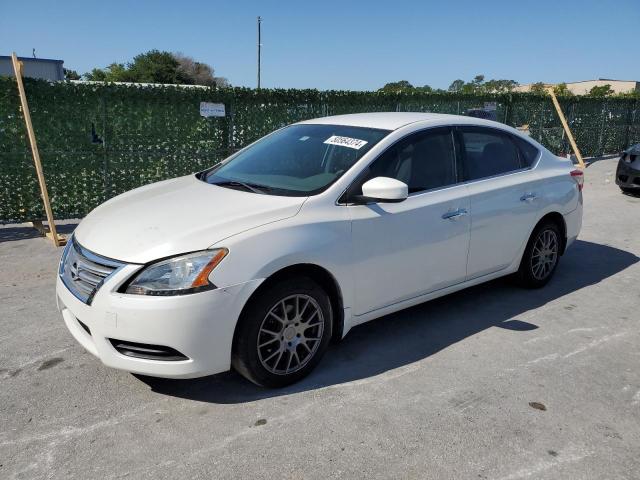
point(84, 272)
point(146, 351)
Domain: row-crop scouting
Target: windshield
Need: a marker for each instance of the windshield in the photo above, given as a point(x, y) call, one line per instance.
point(299, 160)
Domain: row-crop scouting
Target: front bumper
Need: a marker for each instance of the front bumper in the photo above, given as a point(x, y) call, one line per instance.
point(199, 325)
point(628, 174)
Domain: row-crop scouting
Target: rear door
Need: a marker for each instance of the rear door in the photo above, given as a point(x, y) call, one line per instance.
point(504, 194)
point(406, 249)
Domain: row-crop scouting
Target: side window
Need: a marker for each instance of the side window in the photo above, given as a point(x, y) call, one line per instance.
point(528, 152)
point(423, 161)
point(487, 153)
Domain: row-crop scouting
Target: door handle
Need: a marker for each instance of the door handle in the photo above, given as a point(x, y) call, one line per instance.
point(461, 212)
point(528, 197)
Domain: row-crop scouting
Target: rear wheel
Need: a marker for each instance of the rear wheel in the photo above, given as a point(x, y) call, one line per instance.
point(541, 256)
point(283, 333)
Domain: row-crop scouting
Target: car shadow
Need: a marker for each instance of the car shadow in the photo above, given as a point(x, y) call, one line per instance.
point(12, 234)
point(416, 333)
point(592, 160)
point(632, 194)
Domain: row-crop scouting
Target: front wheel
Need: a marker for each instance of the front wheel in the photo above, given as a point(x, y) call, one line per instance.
point(283, 333)
point(541, 256)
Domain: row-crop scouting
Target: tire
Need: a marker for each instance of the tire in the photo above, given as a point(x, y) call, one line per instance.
point(538, 263)
point(630, 191)
point(299, 311)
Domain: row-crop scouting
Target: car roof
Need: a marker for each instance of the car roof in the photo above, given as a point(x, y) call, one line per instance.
point(396, 120)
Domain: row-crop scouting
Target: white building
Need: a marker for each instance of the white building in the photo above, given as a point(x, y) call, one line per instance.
point(43, 68)
point(583, 87)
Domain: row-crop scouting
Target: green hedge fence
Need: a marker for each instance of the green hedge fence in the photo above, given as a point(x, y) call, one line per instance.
point(99, 140)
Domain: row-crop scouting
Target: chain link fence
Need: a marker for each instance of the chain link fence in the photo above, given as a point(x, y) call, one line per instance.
point(99, 140)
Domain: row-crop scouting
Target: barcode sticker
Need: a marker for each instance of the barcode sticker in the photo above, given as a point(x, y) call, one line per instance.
point(348, 142)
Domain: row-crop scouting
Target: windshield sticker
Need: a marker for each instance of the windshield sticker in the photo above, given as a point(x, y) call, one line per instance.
point(348, 142)
point(304, 139)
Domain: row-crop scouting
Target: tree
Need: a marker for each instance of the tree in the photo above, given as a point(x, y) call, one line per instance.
point(156, 66)
point(404, 86)
point(222, 82)
point(561, 90)
point(498, 86)
point(456, 85)
point(479, 85)
point(198, 73)
point(70, 74)
point(477, 80)
point(95, 75)
point(632, 94)
point(116, 72)
point(602, 91)
point(397, 87)
point(539, 88)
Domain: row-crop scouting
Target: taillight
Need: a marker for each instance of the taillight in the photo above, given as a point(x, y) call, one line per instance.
point(578, 176)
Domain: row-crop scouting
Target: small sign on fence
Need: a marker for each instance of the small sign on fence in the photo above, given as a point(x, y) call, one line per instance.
point(208, 109)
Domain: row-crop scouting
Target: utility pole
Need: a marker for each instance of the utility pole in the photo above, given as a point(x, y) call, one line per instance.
point(259, 46)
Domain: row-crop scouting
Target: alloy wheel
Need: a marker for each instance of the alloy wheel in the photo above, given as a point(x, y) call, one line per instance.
point(290, 334)
point(545, 254)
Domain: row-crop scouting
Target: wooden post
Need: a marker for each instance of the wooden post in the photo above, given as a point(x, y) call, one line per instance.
point(565, 125)
point(52, 233)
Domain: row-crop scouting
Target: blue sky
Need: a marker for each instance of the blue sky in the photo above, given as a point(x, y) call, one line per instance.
point(329, 44)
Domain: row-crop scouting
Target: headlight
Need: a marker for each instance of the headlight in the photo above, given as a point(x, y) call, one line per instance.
point(178, 275)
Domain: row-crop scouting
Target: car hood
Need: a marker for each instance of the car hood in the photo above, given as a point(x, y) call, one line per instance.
point(176, 216)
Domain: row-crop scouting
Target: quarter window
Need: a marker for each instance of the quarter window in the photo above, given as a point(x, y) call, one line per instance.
point(423, 161)
point(488, 153)
point(528, 152)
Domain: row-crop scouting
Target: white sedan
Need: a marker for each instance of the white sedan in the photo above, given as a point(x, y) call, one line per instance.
point(260, 261)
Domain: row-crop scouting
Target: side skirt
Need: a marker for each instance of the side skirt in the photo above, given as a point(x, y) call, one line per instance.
point(353, 320)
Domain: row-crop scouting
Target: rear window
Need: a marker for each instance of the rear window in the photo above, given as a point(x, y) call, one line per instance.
point(488, 152)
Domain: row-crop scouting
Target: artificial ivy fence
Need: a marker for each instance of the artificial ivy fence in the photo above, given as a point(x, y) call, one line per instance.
point(99, 140)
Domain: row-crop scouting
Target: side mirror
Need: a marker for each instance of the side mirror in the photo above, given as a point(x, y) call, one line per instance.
point(383, 190)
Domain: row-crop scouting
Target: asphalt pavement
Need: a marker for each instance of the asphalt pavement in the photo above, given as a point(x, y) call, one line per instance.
point(493, 382)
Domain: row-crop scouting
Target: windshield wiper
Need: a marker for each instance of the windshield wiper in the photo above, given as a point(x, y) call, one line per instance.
point(250, 187)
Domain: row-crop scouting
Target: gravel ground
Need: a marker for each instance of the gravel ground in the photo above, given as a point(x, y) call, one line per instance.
point(443, 390)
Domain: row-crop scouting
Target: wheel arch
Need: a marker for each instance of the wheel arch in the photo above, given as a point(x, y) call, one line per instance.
point(320, 275)
point(559, 220)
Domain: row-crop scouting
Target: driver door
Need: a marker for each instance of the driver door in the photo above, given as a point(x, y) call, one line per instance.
point(403, 250)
